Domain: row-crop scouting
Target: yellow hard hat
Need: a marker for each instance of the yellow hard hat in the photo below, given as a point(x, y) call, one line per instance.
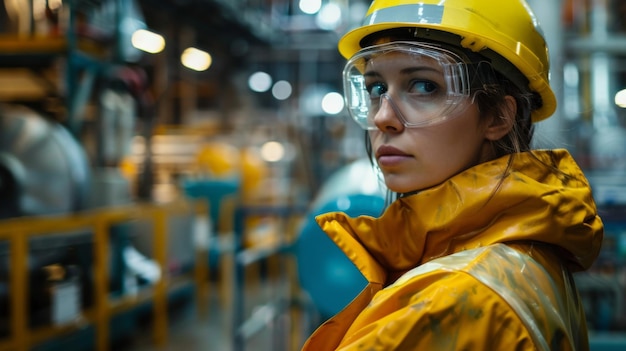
point(254, 171)
point(219, 160)
point(508, 28)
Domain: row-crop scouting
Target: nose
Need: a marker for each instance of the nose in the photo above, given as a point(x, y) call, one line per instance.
point(388, 117)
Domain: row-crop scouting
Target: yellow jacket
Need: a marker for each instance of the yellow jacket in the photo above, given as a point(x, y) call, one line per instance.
point(480, 262)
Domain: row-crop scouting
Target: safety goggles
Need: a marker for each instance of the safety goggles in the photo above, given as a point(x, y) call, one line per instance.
point(423, 83)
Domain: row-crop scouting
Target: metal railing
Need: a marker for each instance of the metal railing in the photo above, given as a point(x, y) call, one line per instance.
point(98, 222)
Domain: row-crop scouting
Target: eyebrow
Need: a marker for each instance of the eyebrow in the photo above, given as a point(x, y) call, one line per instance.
point(404, 71)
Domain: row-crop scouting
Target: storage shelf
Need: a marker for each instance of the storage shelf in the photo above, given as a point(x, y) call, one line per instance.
point(23, 51)
point(32, 44)
point(18, 51)
point(117, 306)
point(98, 222)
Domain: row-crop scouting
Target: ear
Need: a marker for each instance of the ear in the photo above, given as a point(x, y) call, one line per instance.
point(501, 125)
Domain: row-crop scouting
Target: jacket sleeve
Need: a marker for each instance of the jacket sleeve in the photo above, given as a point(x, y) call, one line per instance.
point(448, 311)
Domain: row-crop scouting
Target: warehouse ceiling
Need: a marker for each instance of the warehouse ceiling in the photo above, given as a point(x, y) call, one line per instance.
point(263, 28)
point(247, 35)
point(213, 21)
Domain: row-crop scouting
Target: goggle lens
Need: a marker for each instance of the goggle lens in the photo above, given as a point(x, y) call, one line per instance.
point(424, 84)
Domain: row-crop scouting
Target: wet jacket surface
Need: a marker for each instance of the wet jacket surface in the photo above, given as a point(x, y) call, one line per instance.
point(461, 266)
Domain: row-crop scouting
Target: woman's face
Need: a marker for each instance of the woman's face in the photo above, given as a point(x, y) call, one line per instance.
point(417, 158)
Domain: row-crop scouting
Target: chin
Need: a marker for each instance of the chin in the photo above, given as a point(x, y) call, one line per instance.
point(404, 187)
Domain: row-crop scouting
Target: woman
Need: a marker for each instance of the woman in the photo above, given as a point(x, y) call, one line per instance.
point(477, 250)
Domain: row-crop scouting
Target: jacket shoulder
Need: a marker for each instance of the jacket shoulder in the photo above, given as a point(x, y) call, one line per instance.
point(494, 295)
point(442, 310)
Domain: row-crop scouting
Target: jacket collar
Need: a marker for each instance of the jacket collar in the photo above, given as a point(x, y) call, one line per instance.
point(543, 197)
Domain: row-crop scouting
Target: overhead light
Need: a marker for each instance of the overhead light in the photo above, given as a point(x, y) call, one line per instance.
point(272, 151)
point(260, 82)
point(332, 103)
point(620, 98)
point(281, 90)
point(310, 6)
point(329, 17)
point(196, 59)
point(147, 41)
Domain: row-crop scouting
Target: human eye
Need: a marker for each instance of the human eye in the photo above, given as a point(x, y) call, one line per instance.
point(376, 89)
point(422, 87)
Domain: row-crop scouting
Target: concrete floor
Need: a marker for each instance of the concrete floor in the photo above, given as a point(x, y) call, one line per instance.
point(190, 330)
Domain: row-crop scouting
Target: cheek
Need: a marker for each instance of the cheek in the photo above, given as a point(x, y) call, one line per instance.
point(460, 134)
point(461, 142)
point(453, 146)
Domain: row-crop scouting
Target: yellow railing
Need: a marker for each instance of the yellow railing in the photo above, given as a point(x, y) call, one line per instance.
point(18, 231)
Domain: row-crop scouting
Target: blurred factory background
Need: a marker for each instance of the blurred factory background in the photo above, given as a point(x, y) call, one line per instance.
point(161, 162)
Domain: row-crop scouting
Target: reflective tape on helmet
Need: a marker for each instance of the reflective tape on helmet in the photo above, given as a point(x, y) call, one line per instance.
point(416, 13)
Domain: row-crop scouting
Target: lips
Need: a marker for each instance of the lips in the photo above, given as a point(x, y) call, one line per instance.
point(386, 150)
point(388, 156)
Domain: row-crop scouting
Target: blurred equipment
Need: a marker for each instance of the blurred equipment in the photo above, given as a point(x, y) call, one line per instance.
point(358, 177)
point(112, 20)
point(217, 179)
point(254, 171)
point(43, 169)
point(325, 273)
point(118, 111)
